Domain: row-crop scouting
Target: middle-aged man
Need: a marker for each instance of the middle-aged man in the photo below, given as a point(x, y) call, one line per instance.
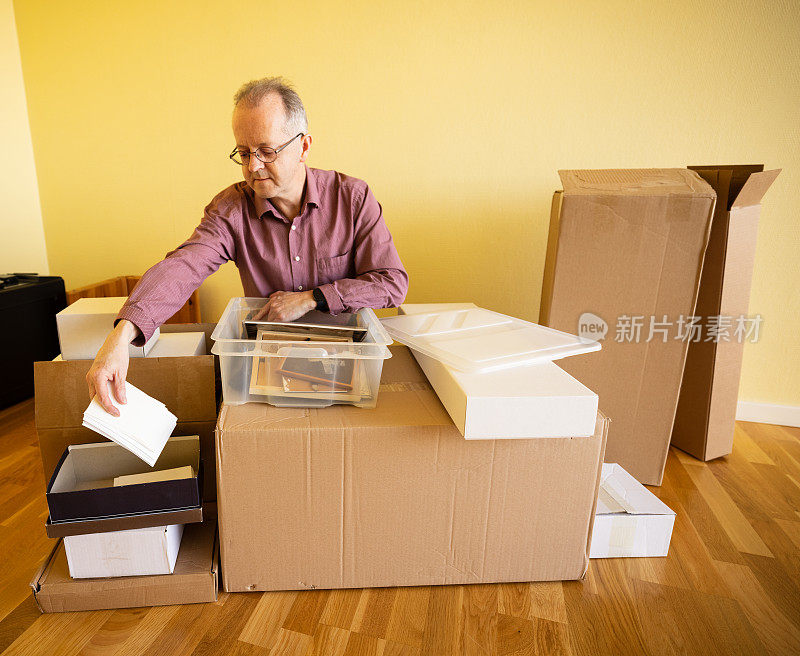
point(303, 237)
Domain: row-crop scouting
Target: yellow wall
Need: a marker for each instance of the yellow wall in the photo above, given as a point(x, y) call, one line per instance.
point(22, 245)
point(458, 115)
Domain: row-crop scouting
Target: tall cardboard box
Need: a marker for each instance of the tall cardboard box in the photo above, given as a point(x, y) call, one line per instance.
point(186, 385)
point(626, 248)
point(704, 421)
point(345, 497)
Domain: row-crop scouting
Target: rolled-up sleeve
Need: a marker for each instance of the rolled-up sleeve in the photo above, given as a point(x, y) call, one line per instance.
point(166, 286)
point(381, 280)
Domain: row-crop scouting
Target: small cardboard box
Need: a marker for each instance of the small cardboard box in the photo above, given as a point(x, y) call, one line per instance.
point(186, 385)
point(344, 497)
point(138, 552)
point(82, 487)
point(630, 521)
point(539, 400)
point(193, 581)
point(706, 414)
point(84, 326)
point(624, 256)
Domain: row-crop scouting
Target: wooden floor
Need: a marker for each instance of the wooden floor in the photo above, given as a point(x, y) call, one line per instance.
point(731, 584)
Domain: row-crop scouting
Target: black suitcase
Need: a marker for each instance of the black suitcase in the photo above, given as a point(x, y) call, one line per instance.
point(28, 307)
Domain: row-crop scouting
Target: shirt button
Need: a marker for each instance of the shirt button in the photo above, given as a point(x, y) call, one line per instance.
point(294, 227)
point(300, 288)
point(296, 258)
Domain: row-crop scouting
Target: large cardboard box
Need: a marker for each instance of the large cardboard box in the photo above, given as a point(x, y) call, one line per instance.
point(345, 497)
point(186, 385)
point(194, 579)
point(626, 249)
point(706, 413)
point(535, 400)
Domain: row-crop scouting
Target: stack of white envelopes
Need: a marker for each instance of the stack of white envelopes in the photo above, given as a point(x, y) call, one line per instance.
point(143, 426)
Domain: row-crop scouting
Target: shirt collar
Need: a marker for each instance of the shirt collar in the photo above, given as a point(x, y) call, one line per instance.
point(264, 205)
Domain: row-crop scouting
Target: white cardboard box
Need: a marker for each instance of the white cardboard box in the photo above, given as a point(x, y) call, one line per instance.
point(538, 400)
point(84, 326)
point(630, 521)
point(138, 552)
point(171, 345)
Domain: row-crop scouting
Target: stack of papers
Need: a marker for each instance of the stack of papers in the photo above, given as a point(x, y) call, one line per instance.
point(143, 426)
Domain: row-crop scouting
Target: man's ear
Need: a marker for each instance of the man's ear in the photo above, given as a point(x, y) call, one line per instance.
point(306, 143)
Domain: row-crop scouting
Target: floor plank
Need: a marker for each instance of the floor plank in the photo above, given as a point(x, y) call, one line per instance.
point(730, 585)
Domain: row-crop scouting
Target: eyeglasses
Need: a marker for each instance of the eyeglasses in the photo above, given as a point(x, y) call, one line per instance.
point(264, 154)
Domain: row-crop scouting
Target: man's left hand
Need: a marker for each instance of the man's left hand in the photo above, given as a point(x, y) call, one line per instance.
point(286, 306)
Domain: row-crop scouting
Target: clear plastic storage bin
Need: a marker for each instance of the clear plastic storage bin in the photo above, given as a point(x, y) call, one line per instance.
point(330, 372)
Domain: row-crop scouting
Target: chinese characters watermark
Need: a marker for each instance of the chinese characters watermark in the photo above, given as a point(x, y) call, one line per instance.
point(640, 328)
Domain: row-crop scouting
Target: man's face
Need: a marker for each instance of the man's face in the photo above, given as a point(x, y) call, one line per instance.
point(265, 125)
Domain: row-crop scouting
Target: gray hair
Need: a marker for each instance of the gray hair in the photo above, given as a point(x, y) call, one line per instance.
point(254, 91)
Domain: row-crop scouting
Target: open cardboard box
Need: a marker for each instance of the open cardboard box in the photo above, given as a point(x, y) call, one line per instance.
point(709, 391)
point(194, 580)
point(82, 498)
point(186, 385)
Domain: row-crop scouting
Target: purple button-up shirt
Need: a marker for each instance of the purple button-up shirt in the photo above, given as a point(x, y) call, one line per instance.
point(338, 243)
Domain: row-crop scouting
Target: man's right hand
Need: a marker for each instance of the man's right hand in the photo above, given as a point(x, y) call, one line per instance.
point(111, 364)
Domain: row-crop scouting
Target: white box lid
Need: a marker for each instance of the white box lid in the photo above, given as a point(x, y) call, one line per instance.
point(622, 493)
point(95, 305)
point(479, 340)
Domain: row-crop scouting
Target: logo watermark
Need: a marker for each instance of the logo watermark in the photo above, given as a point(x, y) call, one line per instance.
point(592, 327)
point(691, 328)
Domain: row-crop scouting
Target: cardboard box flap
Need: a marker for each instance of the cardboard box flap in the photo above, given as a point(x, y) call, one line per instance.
point(754, 189)
point(622, 493)
point(735, 174)
point(721, 181)
point(257, 417)
point(184, 384)
point(400, 376)
point(634, 182)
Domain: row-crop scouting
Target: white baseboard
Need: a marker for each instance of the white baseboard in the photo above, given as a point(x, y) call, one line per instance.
point(768, 413)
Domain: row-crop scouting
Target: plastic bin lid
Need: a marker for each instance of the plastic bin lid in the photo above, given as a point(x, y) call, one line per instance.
point(477, 340)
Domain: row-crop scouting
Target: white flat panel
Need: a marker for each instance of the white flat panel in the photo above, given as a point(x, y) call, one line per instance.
point(477, 340)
